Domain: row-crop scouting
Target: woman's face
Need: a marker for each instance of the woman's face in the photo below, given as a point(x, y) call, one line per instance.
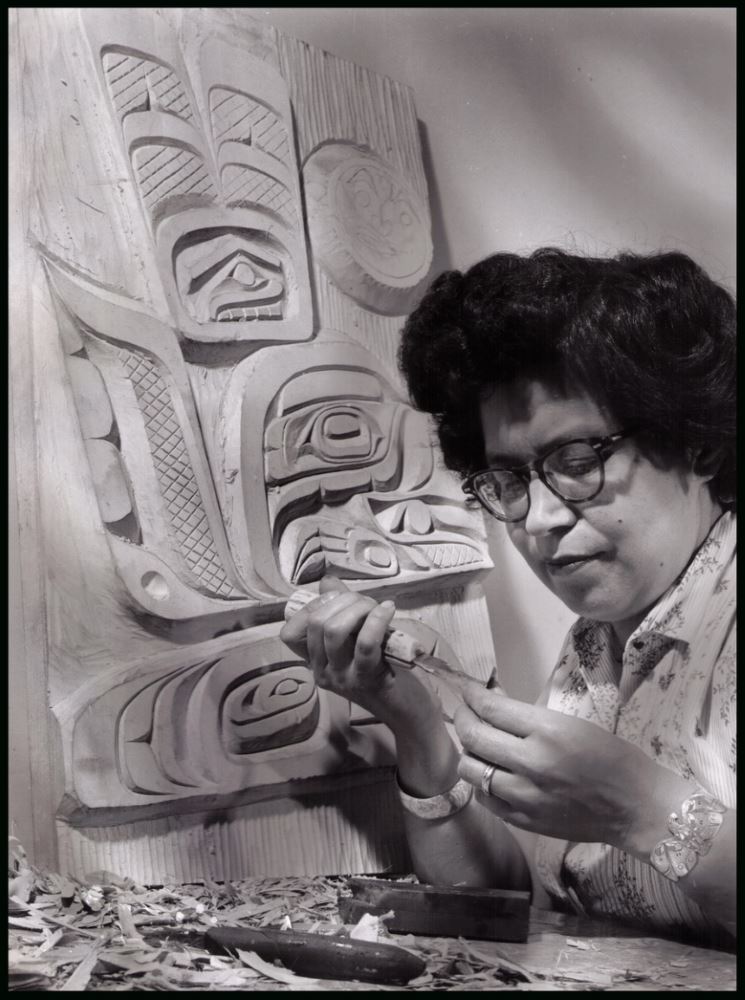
point(612, 557)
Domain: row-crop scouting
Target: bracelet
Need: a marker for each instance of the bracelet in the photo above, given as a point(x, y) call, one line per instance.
point(437, 806)
point(692, 834)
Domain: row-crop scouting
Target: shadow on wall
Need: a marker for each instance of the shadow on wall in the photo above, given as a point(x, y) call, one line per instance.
point(596, 128)
point(625, 120)
point(441, 260)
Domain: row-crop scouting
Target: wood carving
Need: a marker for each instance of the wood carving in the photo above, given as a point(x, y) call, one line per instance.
point(211, 152)
point(152, 480)
point(233, 714)
point(368, 227)
point(350, 484)
point(333, 431)
point(219, 425)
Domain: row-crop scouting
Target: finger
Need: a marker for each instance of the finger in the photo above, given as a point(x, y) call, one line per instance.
point(292, 634)
point(332, 584)
point(484, 740)
point(316, 625)
point(294, 629)
point(473, 771)
point(508, 795)
point(341, 628)
point(513, 799)
point(502, 784)
point(371, 638)
point(503, 712)
point(371, 666)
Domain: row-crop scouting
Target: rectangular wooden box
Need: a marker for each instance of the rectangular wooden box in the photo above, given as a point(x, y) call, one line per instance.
point(440, 911)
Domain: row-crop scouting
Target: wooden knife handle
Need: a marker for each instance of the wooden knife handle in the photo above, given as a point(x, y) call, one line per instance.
point(321, 956)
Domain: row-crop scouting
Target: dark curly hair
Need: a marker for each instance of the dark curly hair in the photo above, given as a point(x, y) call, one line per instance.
point(650, 338)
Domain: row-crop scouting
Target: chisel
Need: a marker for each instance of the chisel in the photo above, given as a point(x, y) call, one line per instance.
point(400, 649)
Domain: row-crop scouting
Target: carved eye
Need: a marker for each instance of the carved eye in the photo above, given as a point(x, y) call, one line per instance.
point(275, 709)
point(285, 687)
point(266, 696)
point(231, 278)
point(238, 289)
point(337, 434)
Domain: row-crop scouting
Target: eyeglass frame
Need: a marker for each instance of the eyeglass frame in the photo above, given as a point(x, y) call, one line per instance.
point(599, 445)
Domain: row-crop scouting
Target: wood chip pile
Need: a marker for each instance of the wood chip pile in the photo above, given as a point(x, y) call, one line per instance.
point(103, 932)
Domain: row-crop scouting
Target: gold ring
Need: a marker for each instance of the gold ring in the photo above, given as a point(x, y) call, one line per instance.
point(486, 779)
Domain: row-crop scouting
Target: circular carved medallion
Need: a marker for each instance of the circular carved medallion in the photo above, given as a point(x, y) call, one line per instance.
point(369, 230)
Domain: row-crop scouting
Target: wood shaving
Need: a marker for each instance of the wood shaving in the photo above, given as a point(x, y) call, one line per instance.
point(281, 975)
point(152, 938)
point(79, 979)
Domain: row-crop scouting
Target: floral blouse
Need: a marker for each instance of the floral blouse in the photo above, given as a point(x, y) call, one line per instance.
point(676, 701)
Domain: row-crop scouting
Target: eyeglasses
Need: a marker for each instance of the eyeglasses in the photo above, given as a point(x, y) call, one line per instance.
point(573, 471)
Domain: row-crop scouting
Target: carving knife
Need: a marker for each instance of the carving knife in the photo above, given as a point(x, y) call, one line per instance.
point(401, 649)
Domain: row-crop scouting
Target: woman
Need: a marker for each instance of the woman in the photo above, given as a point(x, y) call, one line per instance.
point(589, 404)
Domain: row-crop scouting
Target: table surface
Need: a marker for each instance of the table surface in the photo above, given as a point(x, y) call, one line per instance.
point(576, 953)
point(161, 942)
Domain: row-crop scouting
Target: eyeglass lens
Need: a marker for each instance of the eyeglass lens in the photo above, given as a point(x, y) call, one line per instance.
point(573, 470)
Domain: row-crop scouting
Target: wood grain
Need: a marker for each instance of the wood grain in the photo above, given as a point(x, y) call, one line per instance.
point(33, 793)
point(201, 421)
point(351, 827)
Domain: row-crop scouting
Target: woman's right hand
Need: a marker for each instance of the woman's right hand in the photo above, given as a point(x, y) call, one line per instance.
point(340, 635)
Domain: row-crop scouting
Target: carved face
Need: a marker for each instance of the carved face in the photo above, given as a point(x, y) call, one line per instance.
point(422, 535)
point(235, 273)
point(349, 478)
point(238, 710)
point(228, 276)
point(213, 160)
point(245, 715)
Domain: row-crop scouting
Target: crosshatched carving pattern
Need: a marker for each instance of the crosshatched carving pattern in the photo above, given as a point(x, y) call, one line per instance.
point(239, 118)
point(244, 186)
point(207, 130)
point(167, 171)
point(175, 474)
point(138, 84)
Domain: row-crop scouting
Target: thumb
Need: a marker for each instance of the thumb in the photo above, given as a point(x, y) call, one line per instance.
point(331, 585)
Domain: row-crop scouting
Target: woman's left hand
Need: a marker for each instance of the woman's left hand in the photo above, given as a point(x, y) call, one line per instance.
point(558, 775)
